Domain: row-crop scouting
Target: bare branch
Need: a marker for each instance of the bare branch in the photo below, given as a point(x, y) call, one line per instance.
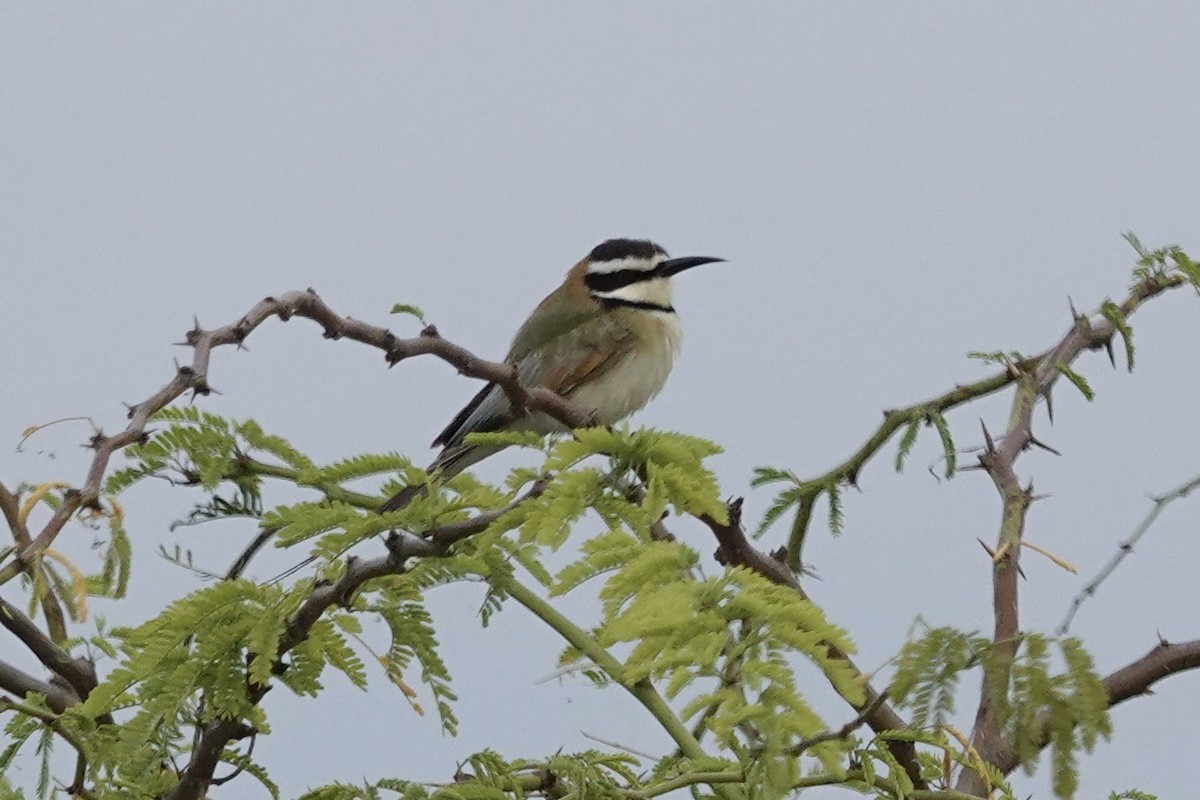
point(76, 673)
point(1164, 659)
point(998, 460)
point(1124, 549)
point(59, 696)
point(11, 508)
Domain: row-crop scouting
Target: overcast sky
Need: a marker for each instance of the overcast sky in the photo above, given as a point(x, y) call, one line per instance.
point(893, 185)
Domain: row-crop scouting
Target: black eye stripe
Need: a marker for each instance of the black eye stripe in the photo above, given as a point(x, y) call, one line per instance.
point(611, 281)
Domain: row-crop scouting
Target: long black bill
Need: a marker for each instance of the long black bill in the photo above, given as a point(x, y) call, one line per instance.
point(674, 266)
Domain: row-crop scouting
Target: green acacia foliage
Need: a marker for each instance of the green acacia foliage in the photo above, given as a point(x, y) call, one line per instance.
point(1039, 704)
point(722, 648)
point(728, 661)
point(212, 654)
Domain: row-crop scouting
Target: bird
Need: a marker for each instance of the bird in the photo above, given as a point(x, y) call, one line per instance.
point(605, 340)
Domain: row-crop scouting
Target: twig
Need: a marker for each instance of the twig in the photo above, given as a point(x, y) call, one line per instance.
point(10, 507)
point(684, 781)
point(841, 733)
point(1124, 549)
point(618, 746)
point(241, 767)
point(643, 691)
point(51, 720)
point(446, 535)
point(32, 429)
point(243, 560)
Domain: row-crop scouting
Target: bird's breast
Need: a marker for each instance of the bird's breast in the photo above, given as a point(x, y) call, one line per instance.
point(640, 370)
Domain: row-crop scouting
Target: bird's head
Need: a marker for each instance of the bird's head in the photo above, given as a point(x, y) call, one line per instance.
point(634, 273)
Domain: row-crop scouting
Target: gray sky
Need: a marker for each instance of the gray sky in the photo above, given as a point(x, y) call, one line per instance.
point(892, 184)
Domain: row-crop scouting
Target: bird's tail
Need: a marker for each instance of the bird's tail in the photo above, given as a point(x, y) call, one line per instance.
point(451, 461)
point(401, 498)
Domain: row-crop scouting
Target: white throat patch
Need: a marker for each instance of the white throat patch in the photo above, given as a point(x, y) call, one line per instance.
point(654, 292)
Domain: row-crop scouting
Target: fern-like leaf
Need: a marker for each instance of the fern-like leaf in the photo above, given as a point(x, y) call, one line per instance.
point(907, 440)
point(1080, 382)
point(948, 451)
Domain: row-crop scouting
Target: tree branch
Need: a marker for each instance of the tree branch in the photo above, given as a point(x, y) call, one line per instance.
point(196, 777)
point(1133, 680)
point(850, 727)
point(1037, 374)
point(51, 720)
point(1124, 549)
point(1005, 572)
point(1035, 379)
point(893, 420)
point(643, 691)
point(309, 305)
point(59, 696)
point(1164, 659)
point(10, 507)
point(1093, 335)
point(78, 674)
point(736, 549)
point(246, 465)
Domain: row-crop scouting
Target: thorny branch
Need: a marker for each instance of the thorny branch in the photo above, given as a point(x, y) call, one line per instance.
point(194, 378)
point(1035, 379)
point(1092, 333)
point(1124, 549)
point(77, 677)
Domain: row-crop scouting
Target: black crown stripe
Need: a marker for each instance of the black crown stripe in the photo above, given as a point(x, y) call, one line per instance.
point(617, 249)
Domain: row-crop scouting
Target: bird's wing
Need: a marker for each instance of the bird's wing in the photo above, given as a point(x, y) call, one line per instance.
point(561, 365)
point(490, 409)
point(587, 358)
